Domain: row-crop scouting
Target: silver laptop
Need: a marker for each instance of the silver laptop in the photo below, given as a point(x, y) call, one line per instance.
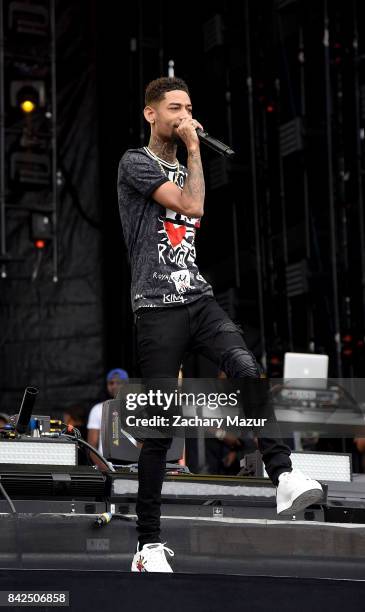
point(305, 370)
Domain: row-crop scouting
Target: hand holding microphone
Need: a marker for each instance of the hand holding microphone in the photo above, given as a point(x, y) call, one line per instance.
point(187, 131)
point(191, 132)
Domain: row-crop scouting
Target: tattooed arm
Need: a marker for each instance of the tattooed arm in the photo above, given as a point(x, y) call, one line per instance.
point(190, 200)
point(194, 189)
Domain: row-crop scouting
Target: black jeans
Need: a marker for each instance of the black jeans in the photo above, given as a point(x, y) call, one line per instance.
point(164, 335)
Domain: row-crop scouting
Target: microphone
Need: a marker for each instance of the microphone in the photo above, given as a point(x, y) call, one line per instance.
point(26, 408)
point(213, 143)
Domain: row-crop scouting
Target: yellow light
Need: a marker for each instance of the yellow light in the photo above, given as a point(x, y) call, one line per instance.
point(27, 106)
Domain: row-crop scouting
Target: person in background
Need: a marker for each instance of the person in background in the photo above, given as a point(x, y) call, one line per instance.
point(359, 444)
point(115, 379)
point(76, 417)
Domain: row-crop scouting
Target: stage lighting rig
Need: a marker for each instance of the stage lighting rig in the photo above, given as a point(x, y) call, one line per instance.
point(28, 131)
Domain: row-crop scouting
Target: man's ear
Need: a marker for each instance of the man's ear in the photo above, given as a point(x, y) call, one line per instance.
point(149, 114)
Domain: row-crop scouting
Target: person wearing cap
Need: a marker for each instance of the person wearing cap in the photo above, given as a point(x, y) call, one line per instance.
point(115, 379)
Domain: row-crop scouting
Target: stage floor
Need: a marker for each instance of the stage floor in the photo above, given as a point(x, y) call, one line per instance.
point(112, 591)
point(243, 547)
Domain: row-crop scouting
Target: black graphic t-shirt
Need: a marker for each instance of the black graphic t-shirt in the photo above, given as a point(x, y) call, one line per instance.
point(160, 242)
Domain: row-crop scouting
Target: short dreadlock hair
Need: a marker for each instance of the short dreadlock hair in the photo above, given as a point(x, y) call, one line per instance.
point(156, 90)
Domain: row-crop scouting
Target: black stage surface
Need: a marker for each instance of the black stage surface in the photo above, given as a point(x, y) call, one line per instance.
point(112, 591)
point(240, 563)
point(215, 546)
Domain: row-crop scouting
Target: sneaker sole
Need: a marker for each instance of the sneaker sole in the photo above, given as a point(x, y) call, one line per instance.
point(313, 496)
point(134, 569)
point(146, 572)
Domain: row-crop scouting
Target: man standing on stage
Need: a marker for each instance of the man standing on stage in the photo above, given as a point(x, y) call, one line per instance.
point(161, 203)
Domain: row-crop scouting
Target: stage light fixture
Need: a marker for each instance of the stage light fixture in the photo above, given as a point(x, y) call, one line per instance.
point(31, 169)
point(291, 137)
point(38, 452)
point(347, 345)
point(213, 33)
point(218, 173)
point(26, 18)
point(27, 106)
point(297, 278)
point(28, 96)
point(41, 229)
point(322, 466)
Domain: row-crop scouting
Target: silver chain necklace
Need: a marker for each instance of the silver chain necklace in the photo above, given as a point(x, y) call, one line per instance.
point(163, 169)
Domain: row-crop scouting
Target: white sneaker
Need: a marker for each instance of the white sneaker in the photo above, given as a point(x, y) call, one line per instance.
point(152, 558)
point(296, 491)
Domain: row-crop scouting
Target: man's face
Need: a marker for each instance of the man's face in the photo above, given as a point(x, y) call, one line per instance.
point(113, 385)
point(168, 114)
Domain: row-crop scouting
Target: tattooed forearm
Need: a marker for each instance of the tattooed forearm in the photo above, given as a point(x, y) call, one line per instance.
point(194, 188)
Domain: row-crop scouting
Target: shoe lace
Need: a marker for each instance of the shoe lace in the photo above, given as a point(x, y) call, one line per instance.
point(295, 473)
point(160, 547)
point(158, 557)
